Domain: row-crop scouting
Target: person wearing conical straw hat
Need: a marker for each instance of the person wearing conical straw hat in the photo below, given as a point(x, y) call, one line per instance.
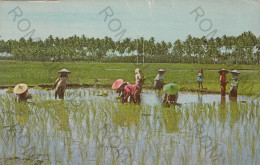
point(139, 80)
point(129, 93)
point(223, 81)
point(158, 81)
point(171, 93)
point(234, 83)
point(61, 83)
point(21, 91)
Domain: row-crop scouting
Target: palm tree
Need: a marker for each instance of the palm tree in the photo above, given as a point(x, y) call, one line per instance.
point(178, 50)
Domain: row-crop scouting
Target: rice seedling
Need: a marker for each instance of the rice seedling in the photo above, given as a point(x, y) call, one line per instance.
point(103, 130)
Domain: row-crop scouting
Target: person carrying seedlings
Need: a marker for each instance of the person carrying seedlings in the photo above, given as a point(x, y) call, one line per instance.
point(223, 81)
point(139, 80)
point(171, 94)
point(200, 78)
point(61, 83)
point(234, 83)
point(158, 81)
point(21, 92)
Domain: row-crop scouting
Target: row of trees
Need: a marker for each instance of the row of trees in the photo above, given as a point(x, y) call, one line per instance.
point(243, 49)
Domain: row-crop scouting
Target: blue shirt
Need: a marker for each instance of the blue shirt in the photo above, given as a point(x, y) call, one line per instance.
point(235, 81)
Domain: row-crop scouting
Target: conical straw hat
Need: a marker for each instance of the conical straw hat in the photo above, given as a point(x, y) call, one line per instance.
point(235, 71)
point(20, 88)
point(64, 71)
point(223, 70)
point(171, 89)
point(161, 70)
point(117, 83)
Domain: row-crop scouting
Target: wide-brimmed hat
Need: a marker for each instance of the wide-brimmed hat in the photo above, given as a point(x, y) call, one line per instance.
point(117, 83)
point(171, 89)
point(235, 71)
point(223, 70)
point(137, 70)
point(20, 88)
point(64, 71)
point(161, 70)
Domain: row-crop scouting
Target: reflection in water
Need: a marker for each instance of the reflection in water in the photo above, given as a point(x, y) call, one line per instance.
point(126, 117)
point(21, 115)
point(223, 110)
point(235, 114)
point(62, 117)
point(200, 98)
point(223, 100)
point(233, 99)
point(69, 131)
point(171, 119)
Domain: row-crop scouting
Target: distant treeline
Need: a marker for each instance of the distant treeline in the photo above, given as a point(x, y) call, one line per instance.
point(243, 49)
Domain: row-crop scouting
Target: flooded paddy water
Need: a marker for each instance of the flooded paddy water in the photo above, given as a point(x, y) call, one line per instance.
point(92, 126)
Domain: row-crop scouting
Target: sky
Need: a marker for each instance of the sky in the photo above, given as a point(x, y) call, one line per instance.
point(166, 20)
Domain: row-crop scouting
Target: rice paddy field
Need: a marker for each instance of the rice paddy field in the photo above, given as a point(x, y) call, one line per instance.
point(104, 74)
point(91, 126)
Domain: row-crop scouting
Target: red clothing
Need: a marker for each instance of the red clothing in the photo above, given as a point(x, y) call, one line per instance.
point(130, 90)
point(223, 80)
point(223, 90)
point(223, 84)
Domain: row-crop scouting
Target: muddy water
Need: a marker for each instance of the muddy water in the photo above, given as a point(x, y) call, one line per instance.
point(149, 97)
point(92, 127)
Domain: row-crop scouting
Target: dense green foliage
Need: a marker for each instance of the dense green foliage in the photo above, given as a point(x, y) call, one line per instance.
point(243, 49)
point(45, 73)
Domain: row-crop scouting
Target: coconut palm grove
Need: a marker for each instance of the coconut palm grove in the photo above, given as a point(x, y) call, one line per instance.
point(242, 49)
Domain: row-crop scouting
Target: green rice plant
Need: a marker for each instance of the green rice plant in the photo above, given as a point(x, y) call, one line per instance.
point(75, 134)
point(10, 90)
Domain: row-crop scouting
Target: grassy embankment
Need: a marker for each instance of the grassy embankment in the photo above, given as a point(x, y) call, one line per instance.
point(88, 74)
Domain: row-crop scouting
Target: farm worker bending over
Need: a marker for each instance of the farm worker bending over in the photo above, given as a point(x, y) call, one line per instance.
point(158, 81)
point(223, 81)
point(129, 91)
point(234, 83)
point(200, 78)
point(171, 93)
point(21, 91)
point(61, 83)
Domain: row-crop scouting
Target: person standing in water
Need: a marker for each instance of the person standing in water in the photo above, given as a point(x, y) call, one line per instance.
point(200, 78)
point(21, 92)
point(223, 81)
point(158, 81)
point(61, 83)
point(234, 83)
point(138, 77)
point(139, 80)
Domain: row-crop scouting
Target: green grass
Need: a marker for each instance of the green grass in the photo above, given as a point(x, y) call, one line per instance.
point(39, 73)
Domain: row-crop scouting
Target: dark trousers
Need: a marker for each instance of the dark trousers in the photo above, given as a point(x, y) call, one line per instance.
point(159, 85)
point(233, 92)
point(60, 92)
point(223, 89)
